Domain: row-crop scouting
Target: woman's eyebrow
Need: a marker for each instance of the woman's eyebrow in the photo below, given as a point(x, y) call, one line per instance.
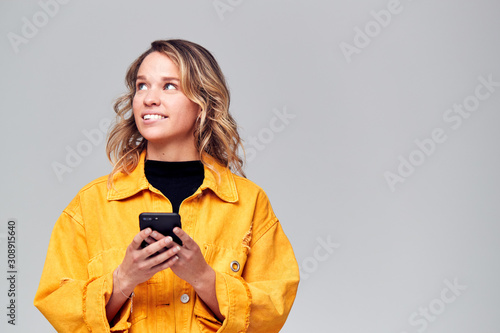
point(163, 78)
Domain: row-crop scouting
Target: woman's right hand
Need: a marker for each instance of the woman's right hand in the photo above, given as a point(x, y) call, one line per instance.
point(139, 266)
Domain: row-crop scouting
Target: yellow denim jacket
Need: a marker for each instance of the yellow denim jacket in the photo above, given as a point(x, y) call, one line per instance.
point(229, 217)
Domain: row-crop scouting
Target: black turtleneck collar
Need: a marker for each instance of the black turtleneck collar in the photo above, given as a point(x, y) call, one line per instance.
point(176, 180)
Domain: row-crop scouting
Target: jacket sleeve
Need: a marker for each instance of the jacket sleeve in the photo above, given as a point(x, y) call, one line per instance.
point(69, 299)
point(261, 299)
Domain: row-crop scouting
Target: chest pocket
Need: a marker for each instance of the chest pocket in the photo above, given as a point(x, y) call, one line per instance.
point(106, 262)
point(226, 260)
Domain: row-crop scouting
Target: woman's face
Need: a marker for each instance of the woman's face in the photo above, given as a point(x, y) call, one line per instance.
point(163, 114)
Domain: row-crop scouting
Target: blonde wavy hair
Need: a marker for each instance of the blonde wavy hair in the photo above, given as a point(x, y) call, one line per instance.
point(202, 81)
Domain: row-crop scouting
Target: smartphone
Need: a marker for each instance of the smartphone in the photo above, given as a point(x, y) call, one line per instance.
point(163, 223)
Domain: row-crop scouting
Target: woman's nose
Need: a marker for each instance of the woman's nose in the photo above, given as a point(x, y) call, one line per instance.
point(152, 97)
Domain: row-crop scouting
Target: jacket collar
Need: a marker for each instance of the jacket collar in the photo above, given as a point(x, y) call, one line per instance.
point(219, 179)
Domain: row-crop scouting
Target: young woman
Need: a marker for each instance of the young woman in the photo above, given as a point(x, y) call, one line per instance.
point(173, 146)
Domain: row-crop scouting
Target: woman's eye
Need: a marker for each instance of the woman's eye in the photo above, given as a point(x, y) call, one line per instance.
point(141, 86)
point(169, 86)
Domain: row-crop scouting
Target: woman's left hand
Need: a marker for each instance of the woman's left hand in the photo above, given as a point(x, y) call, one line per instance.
point(191, 265)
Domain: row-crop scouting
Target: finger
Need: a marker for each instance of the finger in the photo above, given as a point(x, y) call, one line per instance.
point(140, 237)
point(170, 242)
point(187, 241)
point(157, 246)
point(165, 248)
point(165, 256)
point(156, 235)
point(150, 240)
point(166, 264)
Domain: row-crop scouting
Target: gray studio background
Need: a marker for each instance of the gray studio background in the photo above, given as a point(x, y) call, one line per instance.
point(373, 126)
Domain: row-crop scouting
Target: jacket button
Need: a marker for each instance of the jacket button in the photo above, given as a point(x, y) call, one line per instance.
point(185, 298)
point(235, 266)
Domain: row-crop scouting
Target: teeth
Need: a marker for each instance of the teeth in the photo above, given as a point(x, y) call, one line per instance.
point(153, 116)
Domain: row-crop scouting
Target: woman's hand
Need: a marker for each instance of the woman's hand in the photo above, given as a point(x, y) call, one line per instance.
point(190, 265)
point(139, 266)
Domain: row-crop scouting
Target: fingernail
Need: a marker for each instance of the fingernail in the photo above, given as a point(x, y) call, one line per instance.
point(154, 234)
point(168, 239)
point(148, 231)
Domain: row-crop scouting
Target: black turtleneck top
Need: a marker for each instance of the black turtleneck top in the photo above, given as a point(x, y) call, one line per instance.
point(176, 180)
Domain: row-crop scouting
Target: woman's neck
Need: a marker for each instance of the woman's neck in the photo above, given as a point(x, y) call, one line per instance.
point(171, 153)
